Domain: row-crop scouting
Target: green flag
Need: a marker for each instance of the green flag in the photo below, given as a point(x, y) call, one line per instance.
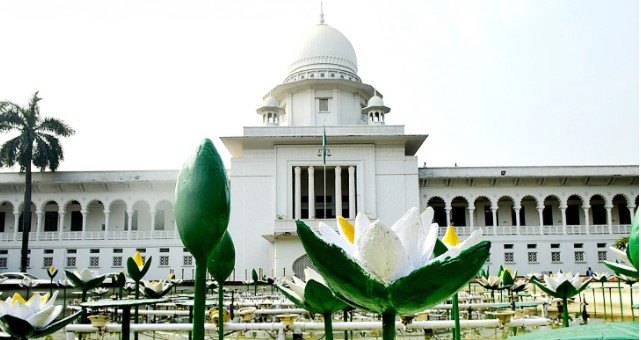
point(324, 146)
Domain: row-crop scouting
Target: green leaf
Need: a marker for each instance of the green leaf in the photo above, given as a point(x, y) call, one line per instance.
point(544, 287)
point(222, 259)
point(351, 281)
point(75, 280)
point(439, 248)
point(16, 327)
point(202, 201)
point(291, 296)
point(56, 326)
point(633, 244)
point(439, 280)
point(321, 299)
point(132, 269)
point(622, 269)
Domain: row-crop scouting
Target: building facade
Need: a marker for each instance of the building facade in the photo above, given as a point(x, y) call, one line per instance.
point(323, 149)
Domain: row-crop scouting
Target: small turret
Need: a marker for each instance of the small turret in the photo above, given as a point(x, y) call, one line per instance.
point(375, 111)
point(270, 111)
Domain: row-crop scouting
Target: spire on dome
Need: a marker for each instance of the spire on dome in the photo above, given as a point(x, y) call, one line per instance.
point(322, 16)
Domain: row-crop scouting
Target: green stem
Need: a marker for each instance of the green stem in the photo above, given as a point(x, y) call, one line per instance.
point(620, 298)
point(611, 311)
point(566, 321)
point(605, 314)
point(329, 331)
point(455, 315)
point(632, 302)
point(389, 325)
point(594, 301)
point(137, 295)
point(200, 290)
point(221, 314)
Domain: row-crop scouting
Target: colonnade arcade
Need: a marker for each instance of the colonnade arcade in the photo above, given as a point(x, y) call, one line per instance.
point(321, 192)
point(73, 220)
point(532, 211)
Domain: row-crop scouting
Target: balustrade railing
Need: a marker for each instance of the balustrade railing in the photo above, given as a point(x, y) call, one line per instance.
point(72, 235)
point(49, 236)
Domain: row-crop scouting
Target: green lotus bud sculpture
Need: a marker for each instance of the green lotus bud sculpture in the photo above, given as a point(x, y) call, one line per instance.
point(202, 216)
point(34, 318)
point(313, 295)
point(221, 264)
point(562, 285)
point(392, 270)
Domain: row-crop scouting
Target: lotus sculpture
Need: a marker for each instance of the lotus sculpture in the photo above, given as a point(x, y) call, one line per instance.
point(313, 295)
point(562, 285)
point(33, 318)
point(392, 270)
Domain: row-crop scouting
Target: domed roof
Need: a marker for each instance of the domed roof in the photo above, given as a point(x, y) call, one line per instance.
point(270, 102)
point(375, 101)
point(324, 48)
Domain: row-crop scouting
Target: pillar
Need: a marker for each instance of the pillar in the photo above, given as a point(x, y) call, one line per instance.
point(352, 192)
point(311, 201)
point(494, 219)
point(470, 212)
point(39, 216)
point(540, 210)
point(517, 214)
point(608, 214)
point(586, 215)
point(16, 224)
point(84, 223)
point(297, 193)
point(152, 212)
point(338, 192)
point(107, 213)
point(563, 219)
point(61, 224)
point(130, 216)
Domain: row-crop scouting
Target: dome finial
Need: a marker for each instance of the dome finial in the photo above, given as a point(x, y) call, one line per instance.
point(322, 16)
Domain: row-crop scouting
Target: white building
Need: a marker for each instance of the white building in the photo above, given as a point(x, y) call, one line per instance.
point(538, 218)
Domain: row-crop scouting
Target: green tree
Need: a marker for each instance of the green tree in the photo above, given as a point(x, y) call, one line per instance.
point(36, 143)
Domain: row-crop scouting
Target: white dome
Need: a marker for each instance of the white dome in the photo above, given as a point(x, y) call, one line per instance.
point(375, 101)
point(270, 102)
point(325, 49)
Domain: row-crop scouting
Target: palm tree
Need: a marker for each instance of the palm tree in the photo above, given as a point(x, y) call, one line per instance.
point(37, 142)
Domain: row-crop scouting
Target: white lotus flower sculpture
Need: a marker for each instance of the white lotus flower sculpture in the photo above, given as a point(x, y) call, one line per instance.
point(399, 269)
point(31, 318)
point(155, 289)
point(563, 285)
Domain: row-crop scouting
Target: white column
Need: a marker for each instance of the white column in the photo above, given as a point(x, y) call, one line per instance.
point(494, 224)
point(631, 208)
point(448, 214)
point(84, 223)
point(470, 211)
point(352, 192)
point(608, 211)
point(563, 219)
point(517, 213)
point(61, 224)
point(586, 215)
point(130, 216)
point(106, 212)
point(540, 210)
point(337, 191)
point(311, 201)
point(152, 212)
point(297, 193)
point(16, 224)
point(39, 227)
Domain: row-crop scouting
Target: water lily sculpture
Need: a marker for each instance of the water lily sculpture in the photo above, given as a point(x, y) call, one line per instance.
point(155, 289)
point(562, 285)
point(33, 318)
point(313, 295)
point(85, 280)
point(52, 272)
point(603, 278)
point(392, 270)
point(27, 283)
point(628, 264)
point(137, 267)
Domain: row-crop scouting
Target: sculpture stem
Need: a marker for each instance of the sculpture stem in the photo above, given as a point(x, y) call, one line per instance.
point(456, 317)
point(605, 314)
point(566, 322)
point(221, 314)
point(329, 331)
point(389, 325)
point(200, 290)
point(620, 298)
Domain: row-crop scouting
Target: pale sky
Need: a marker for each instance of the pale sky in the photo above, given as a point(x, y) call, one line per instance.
point(493, 83)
